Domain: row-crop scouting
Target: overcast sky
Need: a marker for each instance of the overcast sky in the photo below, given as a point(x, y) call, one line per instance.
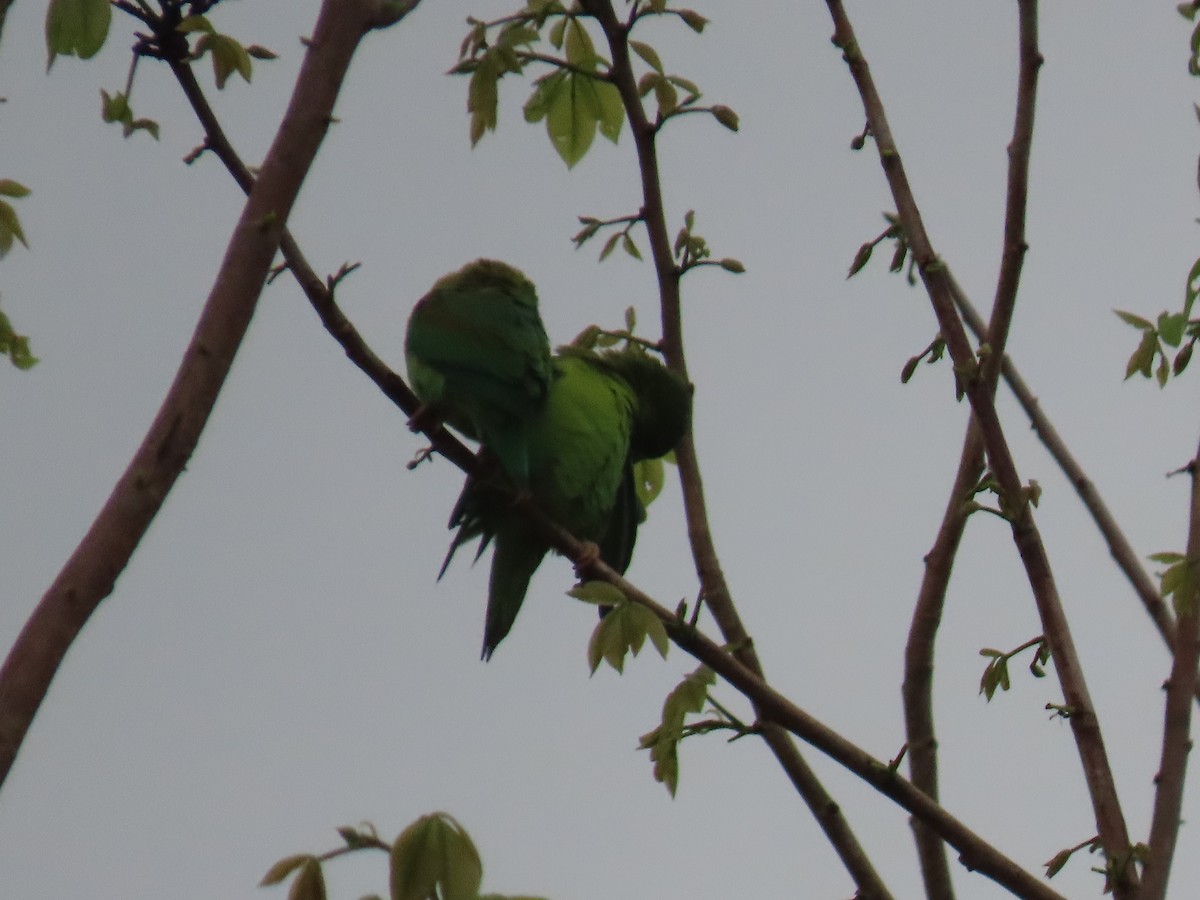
point(278, 659)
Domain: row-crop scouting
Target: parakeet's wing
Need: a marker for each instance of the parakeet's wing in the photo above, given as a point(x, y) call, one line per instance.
point(579, 473)
point(477, 354)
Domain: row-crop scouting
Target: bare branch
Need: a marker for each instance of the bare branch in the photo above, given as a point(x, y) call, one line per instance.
point(918, 661)
point(715, 590)
point(90, 573)
point(1181, 687)
point(1085, 725)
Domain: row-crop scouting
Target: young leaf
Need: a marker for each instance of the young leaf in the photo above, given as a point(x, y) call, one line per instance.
point(726, 117)
point(1170, 328)
point(482, 98)
point(76, 28)
point(284, 868)
point(694, 20)
point(15, 346)
point(1136, 321)
point(648, 54)
point(10, 188)
point(861, 258)
point(600, 593)
point(310, 881)
point(648, 478)
point(10, 228)
point(623, 630)
point(434, 856)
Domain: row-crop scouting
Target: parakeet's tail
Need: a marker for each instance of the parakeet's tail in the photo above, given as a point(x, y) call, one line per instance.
point(518, 554)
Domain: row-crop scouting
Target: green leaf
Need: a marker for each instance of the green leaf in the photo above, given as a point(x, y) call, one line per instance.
point(732, 265)
point(1142, 358)
point(309, 883)
point(1056, 862)
point(1170, 328)
point(1136, 321)
point(666, 96)
point(624, 630)
point(434, 856)
point(10, 228)
point(10, 188)
point(693, 19)
point(689, 696)
point(648, 54)
point(483, 97)
point(600, 593)
point(649, 476)
point(861, 258)
point(228, 56)
point(726, 117)
point(260, 52)
point(572, 116)
point(284, 868)
point(538, 104)
point(609, 245)
point(1192, 289)
point(1167, 558)
point(579, 49)
point(76, 28)
point(629, 246)
point(15, 346)
point(190, 24)
point(611, 109)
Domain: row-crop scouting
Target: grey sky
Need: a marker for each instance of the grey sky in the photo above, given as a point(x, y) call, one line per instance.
point(278, 659)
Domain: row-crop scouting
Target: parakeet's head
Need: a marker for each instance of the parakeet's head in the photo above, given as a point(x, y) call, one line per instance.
point(483, 274)
point(664, 403)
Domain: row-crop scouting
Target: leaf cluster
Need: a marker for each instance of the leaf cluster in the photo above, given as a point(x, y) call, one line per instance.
point(1177, 581)
point(687, 697)
point(895, 233)
point(624, 628)
point(578, 98)
point(432, 859)
point(995, 673)
point(1169, 330)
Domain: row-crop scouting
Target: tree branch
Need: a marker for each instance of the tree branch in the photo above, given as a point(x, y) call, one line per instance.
point(1119, 547)
point(1084, 723)
point(918, 657)
point(90, 573)
point(1181, 687)
point(716, 593)
point(918, 661)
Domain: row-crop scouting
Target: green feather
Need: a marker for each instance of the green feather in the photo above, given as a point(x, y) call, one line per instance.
point(578, 468)
point(478, 358)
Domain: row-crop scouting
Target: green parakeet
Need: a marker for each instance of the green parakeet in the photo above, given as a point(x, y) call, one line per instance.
point(603, 413)
point(478, 358)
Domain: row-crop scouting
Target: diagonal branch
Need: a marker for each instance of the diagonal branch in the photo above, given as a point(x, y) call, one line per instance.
point(1085, 725)
point(90, 573)
point(1119, 547)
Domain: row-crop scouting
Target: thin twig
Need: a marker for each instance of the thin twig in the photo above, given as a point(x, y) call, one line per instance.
point(1085, 725)
point(708, 568)
point(1181, 687)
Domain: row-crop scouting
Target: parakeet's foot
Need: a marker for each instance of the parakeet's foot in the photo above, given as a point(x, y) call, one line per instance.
point(588, 558)
point(425, 419)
